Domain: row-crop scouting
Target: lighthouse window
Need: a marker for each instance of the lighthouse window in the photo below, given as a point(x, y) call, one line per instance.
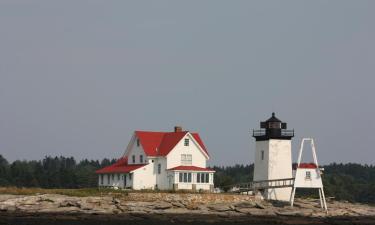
point(262, 155)
point(274, 125)
point(308, 175)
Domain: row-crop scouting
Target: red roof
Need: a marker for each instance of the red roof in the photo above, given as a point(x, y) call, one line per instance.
point(305, 166)
point(120, 166)
point(191, 168)
point(161, 143)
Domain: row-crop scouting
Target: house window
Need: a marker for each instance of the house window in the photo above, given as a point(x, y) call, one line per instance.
point(262, 155)
point(130, 176)
point(308, 175)
point(138, 143)
point(186, 142)
point(108, 181)
point(186, 159)
point(113, 177)
point(118, 176)
point(185, 177)
point(101, 178)
point(133, 158)
point(159, 168)
point(141, 158)
point(203, 177)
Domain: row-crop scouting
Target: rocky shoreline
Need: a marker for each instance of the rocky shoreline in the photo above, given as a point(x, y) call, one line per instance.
point(175, 208)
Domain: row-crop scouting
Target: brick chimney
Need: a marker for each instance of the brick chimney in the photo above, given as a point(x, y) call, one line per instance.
point(177, 129)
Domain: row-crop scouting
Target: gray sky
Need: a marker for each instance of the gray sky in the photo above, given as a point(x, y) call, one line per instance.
point(78, 77)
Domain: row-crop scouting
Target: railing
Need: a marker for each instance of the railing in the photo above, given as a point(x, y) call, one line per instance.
point(261, 184)
point(284, 133)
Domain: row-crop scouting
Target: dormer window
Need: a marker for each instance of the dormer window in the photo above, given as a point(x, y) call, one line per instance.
point(133, 158)
point(186, 142)
point(138, 142)
point(141, 158)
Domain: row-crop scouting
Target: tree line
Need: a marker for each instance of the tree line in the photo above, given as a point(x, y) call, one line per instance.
point(351, 182)
point(51, 172)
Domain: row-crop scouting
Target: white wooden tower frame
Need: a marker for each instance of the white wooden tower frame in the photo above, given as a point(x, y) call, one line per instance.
point(300, 181)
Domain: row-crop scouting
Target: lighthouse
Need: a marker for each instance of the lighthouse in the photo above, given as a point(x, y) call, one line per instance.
point(273, 156)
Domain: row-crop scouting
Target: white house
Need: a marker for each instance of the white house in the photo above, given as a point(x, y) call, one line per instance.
point(161, 160)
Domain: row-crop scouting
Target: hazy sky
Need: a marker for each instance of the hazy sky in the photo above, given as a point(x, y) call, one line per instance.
point(78, 77)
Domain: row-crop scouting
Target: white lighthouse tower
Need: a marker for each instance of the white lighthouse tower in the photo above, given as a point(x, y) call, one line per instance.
point(273, 156)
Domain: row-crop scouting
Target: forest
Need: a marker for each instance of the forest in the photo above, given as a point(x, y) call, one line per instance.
point(351, 182)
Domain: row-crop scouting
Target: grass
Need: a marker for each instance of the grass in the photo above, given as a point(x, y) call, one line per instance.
point(83, 192)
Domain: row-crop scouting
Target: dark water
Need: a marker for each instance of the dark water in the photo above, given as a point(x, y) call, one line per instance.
point(185, 219)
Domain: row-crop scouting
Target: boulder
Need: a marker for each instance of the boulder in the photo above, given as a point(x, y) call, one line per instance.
point(178, 204)
point(219, 207)
point(162, 205)
point(70, 203)
point(259, 205)
point(244, 205)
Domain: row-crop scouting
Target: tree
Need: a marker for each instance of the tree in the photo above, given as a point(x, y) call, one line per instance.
point(4, 172)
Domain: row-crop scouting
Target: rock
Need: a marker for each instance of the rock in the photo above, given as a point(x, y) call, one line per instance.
point(244, 205)
point(162, 205)
point(288, 213)
point(178, 204)
point(116, 201)
point(192, 207)
point(259, 205)
point(219, 207)
point(70, 203)
point(176, 211)
point(244, 210)
point(262, 212)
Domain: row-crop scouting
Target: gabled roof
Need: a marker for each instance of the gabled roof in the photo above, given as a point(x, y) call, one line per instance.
point(161, 143)
point(191, 168)
point(120, 166)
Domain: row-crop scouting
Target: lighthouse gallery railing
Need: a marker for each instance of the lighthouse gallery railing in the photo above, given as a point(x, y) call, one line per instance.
point(286, 133)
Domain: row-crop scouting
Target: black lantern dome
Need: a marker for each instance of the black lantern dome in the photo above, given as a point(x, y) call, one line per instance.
point(273, 128)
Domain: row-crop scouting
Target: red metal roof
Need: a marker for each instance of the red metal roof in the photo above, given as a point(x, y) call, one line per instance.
point(192, 168)
point(161, 143)
point(120, 166)
point(305, 166)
